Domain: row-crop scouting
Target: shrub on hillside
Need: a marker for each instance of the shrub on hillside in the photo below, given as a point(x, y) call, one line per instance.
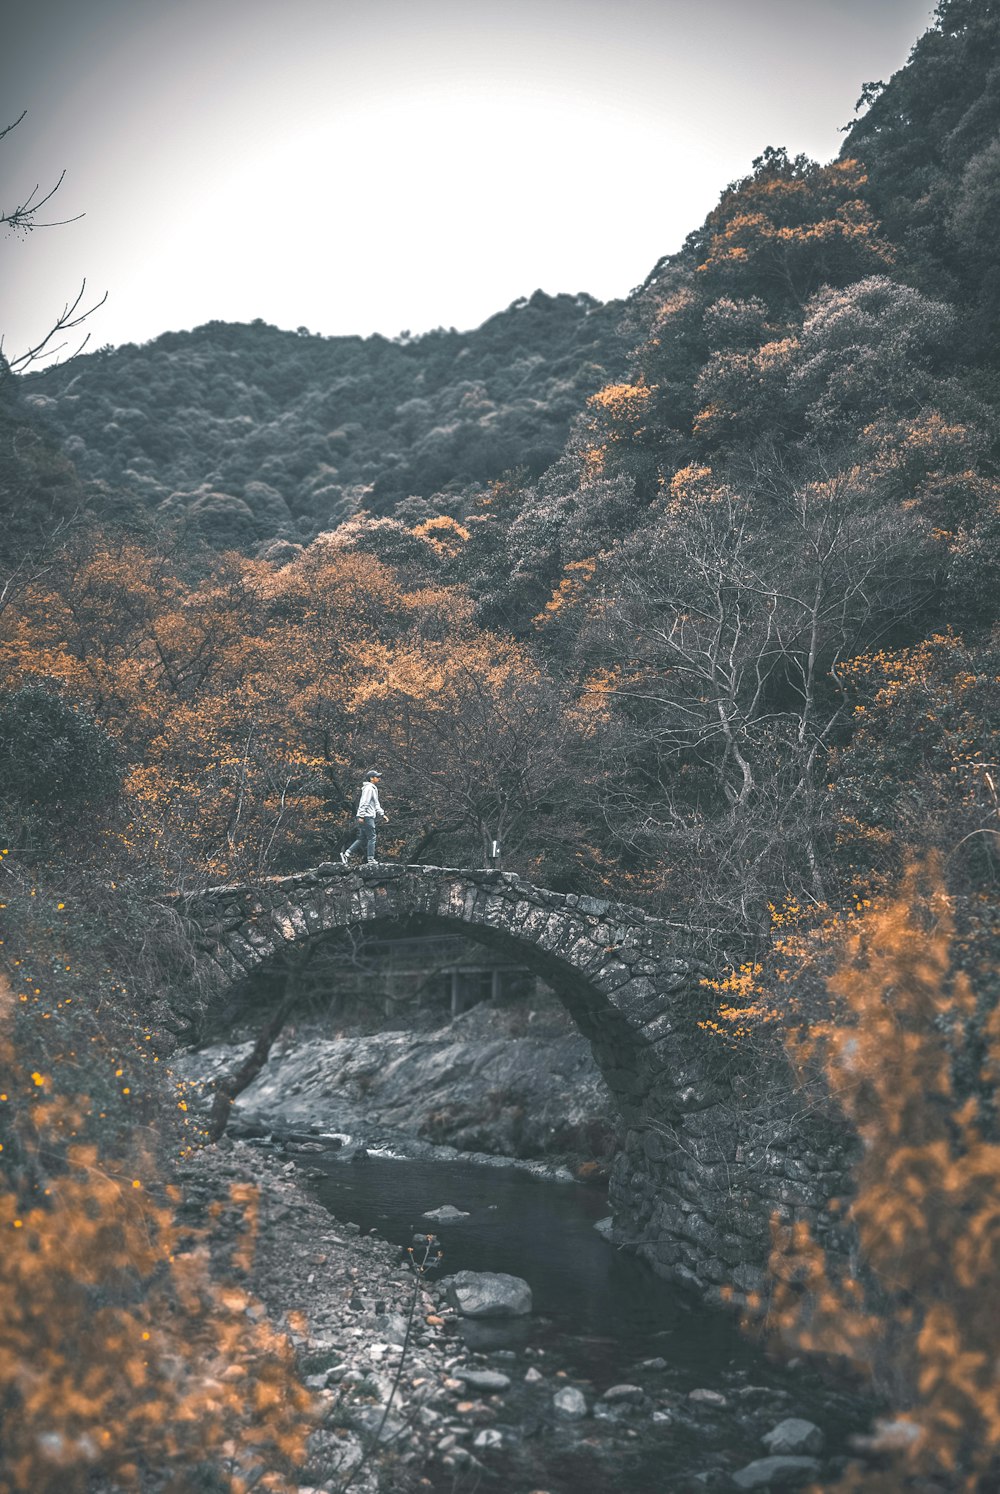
point(53, 754)
point(125, 1355)
point(913, 1060)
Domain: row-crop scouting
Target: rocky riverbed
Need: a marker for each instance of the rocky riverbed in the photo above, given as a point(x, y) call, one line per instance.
point(413, 1394)
point(449, 1408)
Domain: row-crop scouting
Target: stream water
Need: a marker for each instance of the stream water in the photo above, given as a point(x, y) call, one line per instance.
point(601, 1316)
point(597, 1307)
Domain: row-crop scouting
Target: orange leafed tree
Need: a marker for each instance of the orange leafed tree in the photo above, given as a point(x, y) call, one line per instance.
point(790, 227)
point(123, 1354)
point(913, 1068)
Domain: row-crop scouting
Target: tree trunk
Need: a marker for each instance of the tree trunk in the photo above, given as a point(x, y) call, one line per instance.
point(227, 1089)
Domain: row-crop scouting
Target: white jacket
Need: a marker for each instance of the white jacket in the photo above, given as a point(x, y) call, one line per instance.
point(369, 806)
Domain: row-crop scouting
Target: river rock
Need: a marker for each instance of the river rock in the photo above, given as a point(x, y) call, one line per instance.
point(370, 1420)
point(488, 1437)
point(391, 1326)
point(446, 1214)
point(701, 1397)
point(488, 1294)
point(489, 1380)
point(533, 1376)
point(633, 1393)
point(569, 1403)
point(794, 1437)
point(488, 1335)
point(776, 1473)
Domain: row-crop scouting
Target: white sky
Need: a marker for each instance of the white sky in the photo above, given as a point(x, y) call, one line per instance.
point(387, 164)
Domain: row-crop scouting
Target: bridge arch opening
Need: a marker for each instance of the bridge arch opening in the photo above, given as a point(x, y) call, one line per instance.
point(406, 1038)
point(696, 1115)
point(611, 967)
point(406, 972)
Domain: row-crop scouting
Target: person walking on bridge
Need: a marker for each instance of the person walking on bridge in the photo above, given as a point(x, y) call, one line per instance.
point(369, 810)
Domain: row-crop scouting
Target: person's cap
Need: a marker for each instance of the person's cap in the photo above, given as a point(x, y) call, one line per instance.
point(373, 773)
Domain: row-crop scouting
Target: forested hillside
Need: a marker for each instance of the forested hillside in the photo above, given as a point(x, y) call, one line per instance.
point(734, 537)
point(245, 433)
point(690, 600)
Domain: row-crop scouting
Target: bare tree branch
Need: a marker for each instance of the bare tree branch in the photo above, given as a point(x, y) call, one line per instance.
point(23, 218)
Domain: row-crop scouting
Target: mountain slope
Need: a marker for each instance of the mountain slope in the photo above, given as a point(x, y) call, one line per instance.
point(249, 432)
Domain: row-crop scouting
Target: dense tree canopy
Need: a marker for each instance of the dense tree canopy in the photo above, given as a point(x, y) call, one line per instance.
point(694, 512)
point(242, 434)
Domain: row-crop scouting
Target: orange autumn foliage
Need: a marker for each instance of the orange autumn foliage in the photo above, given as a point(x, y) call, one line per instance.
point(123, 1354)
point(922, 1312)
point(444, 534)
point(570, 592)
point(790, 227)
point(616, 425)
point(237, 700)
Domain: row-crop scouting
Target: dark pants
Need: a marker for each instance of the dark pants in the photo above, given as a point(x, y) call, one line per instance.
point(366, 838)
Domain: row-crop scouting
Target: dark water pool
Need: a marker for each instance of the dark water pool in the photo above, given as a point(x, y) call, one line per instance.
point(597, 1308)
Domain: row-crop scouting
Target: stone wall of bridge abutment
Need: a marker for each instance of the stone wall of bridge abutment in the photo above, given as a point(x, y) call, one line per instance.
point(718, 1145)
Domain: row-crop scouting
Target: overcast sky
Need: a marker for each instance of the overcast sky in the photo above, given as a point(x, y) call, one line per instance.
point(374, 165)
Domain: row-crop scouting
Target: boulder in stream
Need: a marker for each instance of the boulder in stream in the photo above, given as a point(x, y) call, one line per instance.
point(703, 1397)
point(633, 1393)
point(446, 1214)
point(570, 1403)
point(488, 1294)
point(485, 1379)
point(794, 1437)
point(776, 1473)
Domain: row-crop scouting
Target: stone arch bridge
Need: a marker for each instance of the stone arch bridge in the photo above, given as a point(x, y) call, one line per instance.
point(717, 1144)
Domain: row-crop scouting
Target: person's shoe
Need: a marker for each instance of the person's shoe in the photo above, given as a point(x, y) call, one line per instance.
point(345, 860)
point(371, 863)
